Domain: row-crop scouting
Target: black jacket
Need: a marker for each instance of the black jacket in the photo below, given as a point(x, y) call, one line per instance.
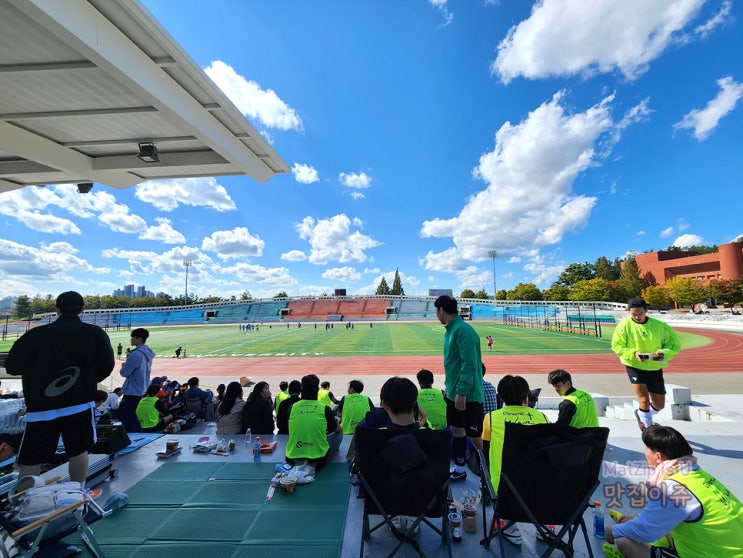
point(61, 363)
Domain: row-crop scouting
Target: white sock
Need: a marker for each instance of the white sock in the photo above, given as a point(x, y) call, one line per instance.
point(646, 417)
point(653, 411)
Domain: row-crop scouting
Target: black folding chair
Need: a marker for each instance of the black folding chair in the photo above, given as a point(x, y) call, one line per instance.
point(404, 474)
point(548, 475)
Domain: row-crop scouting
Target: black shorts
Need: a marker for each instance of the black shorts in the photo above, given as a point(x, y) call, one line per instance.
point(653, 379)
point(41, 438)
point(470, 419)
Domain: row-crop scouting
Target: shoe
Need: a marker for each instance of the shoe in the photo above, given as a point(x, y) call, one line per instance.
point(94, 494)
point(639, 420)
point(611, 551)
point(512, 534)
point(455, 475)
point(539, 534)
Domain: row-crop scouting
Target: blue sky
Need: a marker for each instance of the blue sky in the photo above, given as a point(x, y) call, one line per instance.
point(422, 134)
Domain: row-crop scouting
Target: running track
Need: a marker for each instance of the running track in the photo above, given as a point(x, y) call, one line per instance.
point(723, 354)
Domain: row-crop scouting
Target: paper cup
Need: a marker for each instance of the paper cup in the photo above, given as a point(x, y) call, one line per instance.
point(287, 484)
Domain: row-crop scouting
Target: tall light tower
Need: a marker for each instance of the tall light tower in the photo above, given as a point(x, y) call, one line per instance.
point(187, 263)
point(493, 254)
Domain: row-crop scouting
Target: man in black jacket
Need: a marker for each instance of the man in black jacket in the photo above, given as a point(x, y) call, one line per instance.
point(60, 365)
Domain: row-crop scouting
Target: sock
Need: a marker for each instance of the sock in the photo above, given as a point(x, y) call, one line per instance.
point(653, 410)
point(460, 453)
point(646, 417)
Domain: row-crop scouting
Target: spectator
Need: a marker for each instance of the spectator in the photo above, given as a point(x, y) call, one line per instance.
point(314, 433)
point(491, 395)
point(136, 371)
point(152, 412)
point(577, 409)
point(99, 415)
point(398, 398)
point(282, 415)
point(257, 413)
point(283, 394)
point(699, 515)
point(514, 391)
point(111, 405)
point(230, 411)
point(431, 400)
point(204, 396)
point(60, 365)
point(353, 407)
point(324, 395)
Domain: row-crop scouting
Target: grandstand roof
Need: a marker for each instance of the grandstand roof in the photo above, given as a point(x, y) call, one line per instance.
point(85, 81)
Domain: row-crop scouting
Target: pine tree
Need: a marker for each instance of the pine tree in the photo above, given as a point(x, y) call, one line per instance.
point(383, 288)
point(397, 285)
point(630, 280)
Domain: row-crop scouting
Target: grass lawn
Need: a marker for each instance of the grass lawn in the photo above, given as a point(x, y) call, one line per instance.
point(381, 339)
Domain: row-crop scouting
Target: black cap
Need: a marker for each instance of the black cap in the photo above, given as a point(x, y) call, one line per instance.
point(637, 302)
point(70, 302)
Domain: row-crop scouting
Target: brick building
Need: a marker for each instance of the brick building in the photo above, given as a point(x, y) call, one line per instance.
point(727, 263)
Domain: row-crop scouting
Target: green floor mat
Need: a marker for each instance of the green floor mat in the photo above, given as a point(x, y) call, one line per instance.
point(183, 470)
point(310, 526)
point(150, 492)
point(247, 471)
point(230, 494)
point(206, 524)
point(284, 551)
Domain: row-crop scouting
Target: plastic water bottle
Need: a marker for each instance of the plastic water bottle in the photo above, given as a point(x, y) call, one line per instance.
point(257, 449)
point(598, 520)
point(248, 438)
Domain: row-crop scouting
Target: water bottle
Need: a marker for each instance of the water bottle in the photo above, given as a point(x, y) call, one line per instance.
point(248, 438)
point(598, 520)
point(257, 449)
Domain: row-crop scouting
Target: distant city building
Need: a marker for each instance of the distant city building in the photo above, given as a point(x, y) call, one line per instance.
point(131, 291)
point(726, 263)
point(440, 292)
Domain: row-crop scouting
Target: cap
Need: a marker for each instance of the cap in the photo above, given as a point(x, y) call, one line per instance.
point(637, 302)
point(70, 302)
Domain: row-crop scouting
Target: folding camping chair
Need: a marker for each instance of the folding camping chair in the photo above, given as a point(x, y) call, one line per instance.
point(548, 475)
point(404, 474)
point(43, 537)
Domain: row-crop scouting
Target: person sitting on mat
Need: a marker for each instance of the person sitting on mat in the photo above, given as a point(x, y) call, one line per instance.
point(152, 412)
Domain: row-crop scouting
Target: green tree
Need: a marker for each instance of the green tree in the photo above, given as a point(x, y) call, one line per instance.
point(481, 294)
point(22, 307)
point(684, 290)
point(604, 269)
point(556, 292)
point(592, 289)
point(524, 291)
point(383, 288)
point(245, 295)
point(575, 272)
point(630, 280)
point(281, 294)
point(397, 285)
point(727, 290)
point(467, 293)
point(657, 296)
point(501, 294)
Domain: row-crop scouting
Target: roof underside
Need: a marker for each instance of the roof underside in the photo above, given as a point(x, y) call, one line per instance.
point(83, 82)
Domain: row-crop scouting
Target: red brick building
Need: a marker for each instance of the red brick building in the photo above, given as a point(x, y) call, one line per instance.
point(727, 263)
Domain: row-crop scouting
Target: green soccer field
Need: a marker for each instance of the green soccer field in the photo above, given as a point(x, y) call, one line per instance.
point(381, 339)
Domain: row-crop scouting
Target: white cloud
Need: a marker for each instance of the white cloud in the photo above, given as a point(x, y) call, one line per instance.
point(232, 244)
point(50, 262)
point(687, 240)
point(665, 233)
point(715, 21)
point(163, 232)
point(441, 6)
point(278, 277)
point(294, 256)
point(566, 37)
point(346, 274)
point(358, 180)
point(252, 100)
point(335, 239)
point(704, 121)
point(167, 195)
point(528, 202)
point(357, 195)
point(305, 174)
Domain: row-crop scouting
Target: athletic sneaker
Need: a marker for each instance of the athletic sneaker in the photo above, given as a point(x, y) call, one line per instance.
point(639, 420)
point(539, 533)
point(611, 551)
point(512, 534)
point(455, 475)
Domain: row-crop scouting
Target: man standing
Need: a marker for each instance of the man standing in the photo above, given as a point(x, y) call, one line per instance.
point(136, 369)
point(61, 364)
point(464, 393)
point(577, 409)
point(119, 350)
point(645, 345)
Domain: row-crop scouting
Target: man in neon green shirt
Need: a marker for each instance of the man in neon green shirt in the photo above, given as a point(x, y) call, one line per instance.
point(577, 409)
point(431, 400)
point(353, 407)
point(644, 346)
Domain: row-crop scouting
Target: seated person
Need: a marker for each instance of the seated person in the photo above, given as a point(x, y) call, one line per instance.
point(283, 394)
point(314, 432)
point(432, 400)
point(514, 391)
point(282, 414)
point(230, 411)
point(324, 395)
point(100, 416)
point(696, 517)
point(577, 409)
point(205, 396)
point(353, 407)
point(398, 398)
point(152, 412)
point(257, 413)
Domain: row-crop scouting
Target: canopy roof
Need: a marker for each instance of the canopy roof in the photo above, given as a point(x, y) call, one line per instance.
point(83, 82)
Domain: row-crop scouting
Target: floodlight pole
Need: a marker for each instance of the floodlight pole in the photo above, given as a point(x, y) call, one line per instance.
point(187, 263)
point(493, 254)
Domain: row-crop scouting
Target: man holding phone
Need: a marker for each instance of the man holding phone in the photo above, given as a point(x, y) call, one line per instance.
point(644, 346)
